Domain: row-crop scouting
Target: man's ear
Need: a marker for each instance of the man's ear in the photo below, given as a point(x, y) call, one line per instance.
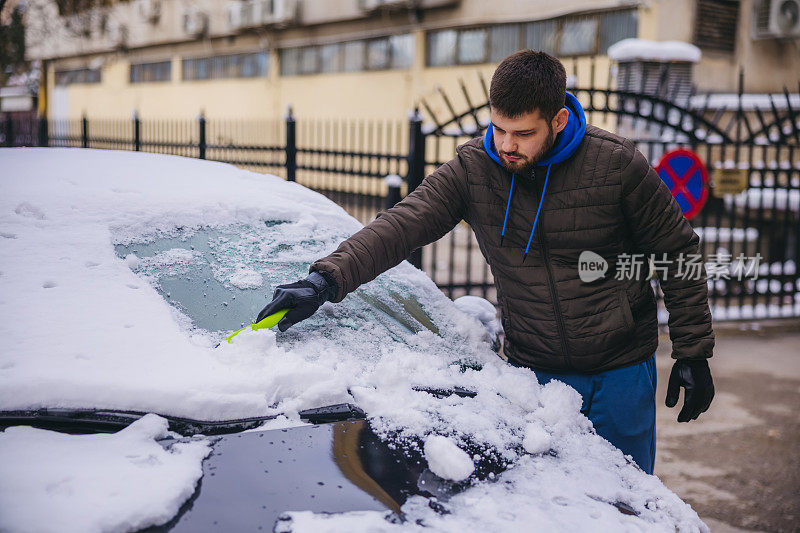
point(560, 120)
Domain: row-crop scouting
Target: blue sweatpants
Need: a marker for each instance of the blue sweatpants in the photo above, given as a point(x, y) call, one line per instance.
point(621, 404)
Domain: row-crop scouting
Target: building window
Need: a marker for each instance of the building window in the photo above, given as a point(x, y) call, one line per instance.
point(442, 48)
point(715, 24)
point(330, 58)
point(378, 54)
point(250, 65)
point(472, 46)
point(289, 61)
point(578, 36)
point(503, 41)
point(616, 26)
point(309, 60)
point(401, 48)
point(541, 35)
point(354, 56)
point(564, 36)
point(395, 51)
point(151, 72)
point(79, 75)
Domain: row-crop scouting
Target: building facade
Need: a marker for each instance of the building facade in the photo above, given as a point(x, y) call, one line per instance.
point(365, 58)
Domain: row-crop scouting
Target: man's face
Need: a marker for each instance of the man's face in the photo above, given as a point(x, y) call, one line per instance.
point(523, 141)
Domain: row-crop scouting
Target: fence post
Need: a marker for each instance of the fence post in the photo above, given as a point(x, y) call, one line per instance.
point(291, 146)
point(137, 132)
point(416, 168)
point(84, 131)
point(9, 131)
point(393, 182)
point(44, 139)
point(201, 145)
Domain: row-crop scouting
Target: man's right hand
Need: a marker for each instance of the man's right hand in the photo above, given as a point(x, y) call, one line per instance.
point(302, 298)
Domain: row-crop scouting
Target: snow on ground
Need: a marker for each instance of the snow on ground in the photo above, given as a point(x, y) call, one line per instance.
point(81, 327)
point(91, 483)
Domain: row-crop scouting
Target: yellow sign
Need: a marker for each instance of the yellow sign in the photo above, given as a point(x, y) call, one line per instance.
point(729, 181)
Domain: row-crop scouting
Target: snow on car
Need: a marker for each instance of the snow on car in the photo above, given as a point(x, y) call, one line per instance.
point(120, 275)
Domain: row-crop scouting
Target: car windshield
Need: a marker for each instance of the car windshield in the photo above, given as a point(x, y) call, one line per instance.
point(221, 277)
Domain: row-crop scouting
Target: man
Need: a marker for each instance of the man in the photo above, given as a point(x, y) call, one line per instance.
point(538, 189)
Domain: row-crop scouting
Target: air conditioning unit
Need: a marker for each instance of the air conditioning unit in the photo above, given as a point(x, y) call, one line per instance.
point(233, 15)
point(278, 12)
point(776, 19)
point(374, 5)
point(195, 22)
point(149, 10)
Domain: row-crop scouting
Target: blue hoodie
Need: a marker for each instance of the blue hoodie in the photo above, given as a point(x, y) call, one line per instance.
point(566, 143)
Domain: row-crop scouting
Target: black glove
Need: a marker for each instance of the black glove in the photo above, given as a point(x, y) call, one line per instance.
point(302, 298)
point(695, 376)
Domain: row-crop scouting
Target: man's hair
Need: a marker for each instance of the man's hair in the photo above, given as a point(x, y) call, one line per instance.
point(528, 80)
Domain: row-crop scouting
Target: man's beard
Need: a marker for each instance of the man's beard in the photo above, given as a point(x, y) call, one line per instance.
point(524, 164)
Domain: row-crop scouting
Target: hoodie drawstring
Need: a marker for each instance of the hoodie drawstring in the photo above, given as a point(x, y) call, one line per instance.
point(508, 205)
point(535, 220)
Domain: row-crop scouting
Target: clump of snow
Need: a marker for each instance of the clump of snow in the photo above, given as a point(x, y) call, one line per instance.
point(246, 278)
point(85, 483)
point(482, 309)
point(643, 50)
point(536, 440)
point(132, 261)
point(447, 460)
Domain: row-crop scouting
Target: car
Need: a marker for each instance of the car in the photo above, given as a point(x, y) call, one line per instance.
point(123, 406)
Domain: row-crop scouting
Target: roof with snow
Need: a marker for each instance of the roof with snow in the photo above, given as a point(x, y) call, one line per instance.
point(662, 51)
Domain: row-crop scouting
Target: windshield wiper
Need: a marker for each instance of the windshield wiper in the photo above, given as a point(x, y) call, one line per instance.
point(79, 421)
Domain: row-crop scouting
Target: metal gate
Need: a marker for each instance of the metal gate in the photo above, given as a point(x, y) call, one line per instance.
point(750, 239)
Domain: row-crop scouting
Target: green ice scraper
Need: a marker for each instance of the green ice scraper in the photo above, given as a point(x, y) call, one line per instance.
point(266, 323)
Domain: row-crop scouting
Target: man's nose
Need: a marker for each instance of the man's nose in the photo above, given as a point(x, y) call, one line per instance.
point(508, 146)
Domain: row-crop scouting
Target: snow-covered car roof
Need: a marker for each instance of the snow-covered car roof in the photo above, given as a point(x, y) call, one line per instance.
point(89, 244)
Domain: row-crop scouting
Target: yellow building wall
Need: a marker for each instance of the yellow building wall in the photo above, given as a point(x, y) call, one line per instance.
point(387, 94)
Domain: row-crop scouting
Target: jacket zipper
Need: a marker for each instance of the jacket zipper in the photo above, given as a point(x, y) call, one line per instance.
point(562, 330)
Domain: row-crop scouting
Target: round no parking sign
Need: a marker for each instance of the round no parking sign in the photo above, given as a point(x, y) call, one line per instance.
point(687, 179)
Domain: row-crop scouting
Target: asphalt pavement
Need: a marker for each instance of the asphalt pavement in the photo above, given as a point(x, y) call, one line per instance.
point(738, 464)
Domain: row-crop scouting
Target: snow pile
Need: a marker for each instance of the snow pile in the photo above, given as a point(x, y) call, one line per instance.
point(644, 50)
point(577, 489)
point(93, 246)
point(483, 310)
point(536, 440)
point(447, 460)
point(84, 483)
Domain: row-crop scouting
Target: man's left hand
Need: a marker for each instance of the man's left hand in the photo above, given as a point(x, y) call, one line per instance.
point(695, 377)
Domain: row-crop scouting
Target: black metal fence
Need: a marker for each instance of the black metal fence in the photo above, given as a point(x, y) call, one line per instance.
point(750, 240)
point(347, 160)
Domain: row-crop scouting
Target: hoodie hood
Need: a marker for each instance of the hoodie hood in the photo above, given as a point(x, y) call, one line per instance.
point(566, 142)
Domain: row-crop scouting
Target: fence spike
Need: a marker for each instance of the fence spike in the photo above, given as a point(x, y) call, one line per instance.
point(778, 119)
point(472, 109)
point(483, 85)
point(430, 112)
point(792, 116)
point(456, 117)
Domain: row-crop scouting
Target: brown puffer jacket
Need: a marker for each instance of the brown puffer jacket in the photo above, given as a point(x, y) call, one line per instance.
point(605, 198)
